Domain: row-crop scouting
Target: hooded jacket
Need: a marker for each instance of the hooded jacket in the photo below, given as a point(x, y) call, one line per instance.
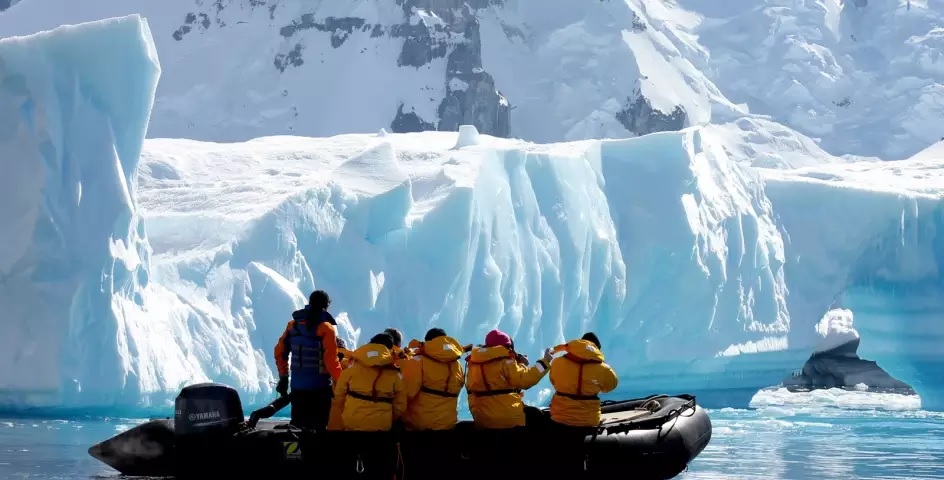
point(433, 379)
point(495, 380)
point(578, 378)
point(369, 395)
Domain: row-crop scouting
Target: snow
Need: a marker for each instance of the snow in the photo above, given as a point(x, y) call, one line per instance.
point(206, 92)
point(762, 143)
point(790, 64)
point(862, 80)
point(468, 135)
point(835, 329)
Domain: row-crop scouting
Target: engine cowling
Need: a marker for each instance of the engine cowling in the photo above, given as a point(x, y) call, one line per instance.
point(208, 409)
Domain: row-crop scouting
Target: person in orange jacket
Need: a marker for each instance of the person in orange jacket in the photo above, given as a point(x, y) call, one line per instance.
point(433, 378)
point(496, 376)
point(310, 341)
point(578, 378)
point(370, 395)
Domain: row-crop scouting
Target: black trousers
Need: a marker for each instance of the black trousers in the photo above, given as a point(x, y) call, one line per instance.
point(311, 408)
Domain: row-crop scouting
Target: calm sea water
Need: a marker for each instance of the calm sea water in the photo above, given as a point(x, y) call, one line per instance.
point(825, 434)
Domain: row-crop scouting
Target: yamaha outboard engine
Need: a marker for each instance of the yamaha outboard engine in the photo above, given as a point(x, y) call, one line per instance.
point(206, 418)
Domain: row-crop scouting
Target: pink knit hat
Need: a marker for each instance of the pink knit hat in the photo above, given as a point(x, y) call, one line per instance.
point(497, 338)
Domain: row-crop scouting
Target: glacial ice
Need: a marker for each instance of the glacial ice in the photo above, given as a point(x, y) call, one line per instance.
point(701, 275)
point(74, 106)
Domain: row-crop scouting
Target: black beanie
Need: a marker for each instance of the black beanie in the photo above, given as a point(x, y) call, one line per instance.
point(592, 338)
point(434, 333)
point(383, 339)
point(395, 335)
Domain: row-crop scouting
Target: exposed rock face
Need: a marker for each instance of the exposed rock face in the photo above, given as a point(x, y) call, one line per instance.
point(841, 367)
point(471, 95)
point(639, 117)
point(429, 29)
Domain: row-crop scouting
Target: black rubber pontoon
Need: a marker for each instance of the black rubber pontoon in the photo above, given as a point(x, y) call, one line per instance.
point(650, 438)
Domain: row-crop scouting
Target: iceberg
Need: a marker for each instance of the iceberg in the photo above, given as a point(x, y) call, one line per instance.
point(870, 236)
point(701, 275)
point(74, 106)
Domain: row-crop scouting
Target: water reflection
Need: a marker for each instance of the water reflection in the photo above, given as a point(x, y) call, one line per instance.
point(788, 437)
point(781, 444)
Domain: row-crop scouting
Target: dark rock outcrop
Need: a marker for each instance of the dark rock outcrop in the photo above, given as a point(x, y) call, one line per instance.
point(640, 118)
point(409, 122)
point(450, 30)
point(841, 367)
point(471, 95)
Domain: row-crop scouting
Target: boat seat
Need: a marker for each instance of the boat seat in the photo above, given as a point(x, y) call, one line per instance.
point(619, 417)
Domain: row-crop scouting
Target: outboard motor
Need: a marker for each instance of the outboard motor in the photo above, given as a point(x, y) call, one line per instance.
point(206, 418)
point(208, 409)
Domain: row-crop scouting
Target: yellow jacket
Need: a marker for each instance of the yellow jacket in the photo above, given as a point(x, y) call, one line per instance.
point(495, 380)
point(401, 354)
point(578, 378)
point(369, 395)
point(433, 379)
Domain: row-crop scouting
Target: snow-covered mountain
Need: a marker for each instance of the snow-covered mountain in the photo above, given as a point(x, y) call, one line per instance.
point(861, 78)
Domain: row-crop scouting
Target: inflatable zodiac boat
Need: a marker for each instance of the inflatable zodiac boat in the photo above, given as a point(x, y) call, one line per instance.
point(648, 438)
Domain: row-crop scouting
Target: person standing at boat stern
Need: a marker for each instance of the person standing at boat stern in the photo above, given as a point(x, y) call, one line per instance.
point(578, 378)
point(433, 378)
point(307, 352)
point(496, 377)
point(369, 395)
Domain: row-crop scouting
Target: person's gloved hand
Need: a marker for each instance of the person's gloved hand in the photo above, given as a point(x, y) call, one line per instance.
point(523, 359)
point(282, 387)
point(253, 420)
point(548, 356)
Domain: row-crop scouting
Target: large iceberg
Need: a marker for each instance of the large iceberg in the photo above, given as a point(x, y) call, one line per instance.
point(74, 106)
point(701, 275)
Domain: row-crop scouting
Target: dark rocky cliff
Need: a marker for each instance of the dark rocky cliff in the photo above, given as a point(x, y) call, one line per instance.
point(472, 98)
